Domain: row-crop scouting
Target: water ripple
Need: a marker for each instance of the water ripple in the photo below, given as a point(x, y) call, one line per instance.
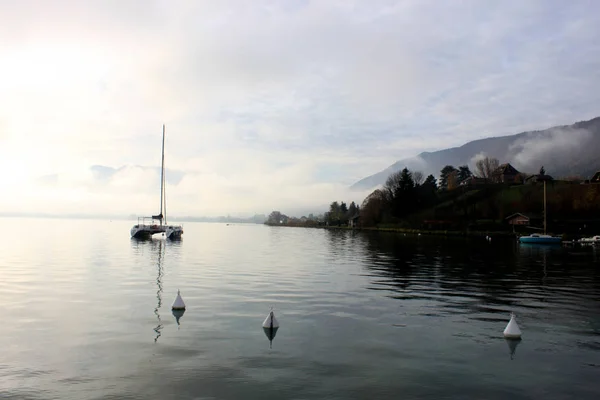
point(87, 314)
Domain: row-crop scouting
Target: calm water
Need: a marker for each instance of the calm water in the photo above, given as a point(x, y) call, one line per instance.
point(86, 315)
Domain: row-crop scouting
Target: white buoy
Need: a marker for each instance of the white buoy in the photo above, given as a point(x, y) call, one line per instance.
point(178, 304)
point(512, 330)
point(271, 321)
point(270, 327)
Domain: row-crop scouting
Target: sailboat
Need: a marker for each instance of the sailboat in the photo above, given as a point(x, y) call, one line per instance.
point(148, 226)
point(541, 238)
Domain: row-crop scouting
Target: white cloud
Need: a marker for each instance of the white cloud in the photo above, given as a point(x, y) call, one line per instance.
point(475, 158)
point(562, 143)
point(271, 105)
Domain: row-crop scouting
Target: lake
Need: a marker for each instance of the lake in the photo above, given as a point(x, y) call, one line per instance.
point(86, 314)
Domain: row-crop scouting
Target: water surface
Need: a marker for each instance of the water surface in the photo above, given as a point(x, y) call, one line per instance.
point(86, 315)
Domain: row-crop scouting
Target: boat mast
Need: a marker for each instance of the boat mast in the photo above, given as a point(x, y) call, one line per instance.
point(164, 180)
point(544, 206)
point(162, 176)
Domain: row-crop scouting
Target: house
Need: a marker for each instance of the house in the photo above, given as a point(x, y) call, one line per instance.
point(538, 178)
point(353, 221)
point(518, 219)
point(523, 219)
point(541, 177)
point(473, 181)
point(505, 173)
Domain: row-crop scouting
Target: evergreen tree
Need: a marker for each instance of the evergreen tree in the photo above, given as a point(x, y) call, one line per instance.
point(431, 183)
point(444, 173)
point(464, 173)
point(403, 201)
point(334, 212)
point(343, 210)
point(352, 210)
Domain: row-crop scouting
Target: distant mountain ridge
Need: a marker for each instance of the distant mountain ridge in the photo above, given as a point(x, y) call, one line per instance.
point(563, 151)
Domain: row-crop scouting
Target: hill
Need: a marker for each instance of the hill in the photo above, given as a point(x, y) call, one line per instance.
point(564, 151)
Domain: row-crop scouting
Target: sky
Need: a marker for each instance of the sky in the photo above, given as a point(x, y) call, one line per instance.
point(270, 105)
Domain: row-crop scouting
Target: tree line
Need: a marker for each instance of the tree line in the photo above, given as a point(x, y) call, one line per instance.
point(339, 213)
point(408, 199)
point(407, 192)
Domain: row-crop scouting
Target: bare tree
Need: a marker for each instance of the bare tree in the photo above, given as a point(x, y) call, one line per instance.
point(391, 184)
point(418, 178)
point(372, 208)
point(485, 167)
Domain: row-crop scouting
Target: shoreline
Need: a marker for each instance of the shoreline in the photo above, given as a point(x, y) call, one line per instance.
point(428, 232)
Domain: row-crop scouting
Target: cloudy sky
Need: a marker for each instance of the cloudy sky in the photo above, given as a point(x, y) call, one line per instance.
point(269, 104)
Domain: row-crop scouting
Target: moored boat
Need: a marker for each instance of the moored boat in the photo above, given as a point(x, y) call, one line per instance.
point(592, 240)
point(539, 238)
point(148, 226)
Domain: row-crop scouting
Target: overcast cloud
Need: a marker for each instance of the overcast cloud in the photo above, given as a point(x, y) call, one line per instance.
point(270, 104)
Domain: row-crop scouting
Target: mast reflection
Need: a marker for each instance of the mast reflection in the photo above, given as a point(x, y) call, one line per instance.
point(159, 290)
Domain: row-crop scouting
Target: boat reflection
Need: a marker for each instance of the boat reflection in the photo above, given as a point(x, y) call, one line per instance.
point(159, 290)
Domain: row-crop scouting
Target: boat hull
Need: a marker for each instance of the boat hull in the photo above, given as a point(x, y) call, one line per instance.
point(140, 231)
point(591, 240)
point(174, 232)
point(541, 240)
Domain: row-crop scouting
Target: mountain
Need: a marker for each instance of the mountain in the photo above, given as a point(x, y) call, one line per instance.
point(563, 151)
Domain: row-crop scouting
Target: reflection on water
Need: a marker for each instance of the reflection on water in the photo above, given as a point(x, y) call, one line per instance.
point(512, 346)
point(157, 248)
point(159, 289)
point(178, 314)
point(270, 332)
point(366, 315)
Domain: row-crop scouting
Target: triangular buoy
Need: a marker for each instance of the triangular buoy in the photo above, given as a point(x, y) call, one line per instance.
point(271, 321)
point(178, 304)
point(512, 330)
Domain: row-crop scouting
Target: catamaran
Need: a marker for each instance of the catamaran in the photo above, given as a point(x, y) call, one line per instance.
point(148, 226)
point(541, 238)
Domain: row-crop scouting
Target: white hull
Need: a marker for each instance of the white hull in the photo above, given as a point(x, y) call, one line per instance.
point(174, 232)
point(145, 231)
point(593, 240)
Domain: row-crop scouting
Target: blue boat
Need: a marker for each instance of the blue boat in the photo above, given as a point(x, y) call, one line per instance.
point(541, 239)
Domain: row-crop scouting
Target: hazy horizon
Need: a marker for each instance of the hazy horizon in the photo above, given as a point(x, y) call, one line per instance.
point(269, 105)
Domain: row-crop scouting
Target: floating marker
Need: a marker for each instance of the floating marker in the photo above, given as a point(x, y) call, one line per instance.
point(178, 304)
point(512, 330)
point(271, 321)
point(270, 326)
